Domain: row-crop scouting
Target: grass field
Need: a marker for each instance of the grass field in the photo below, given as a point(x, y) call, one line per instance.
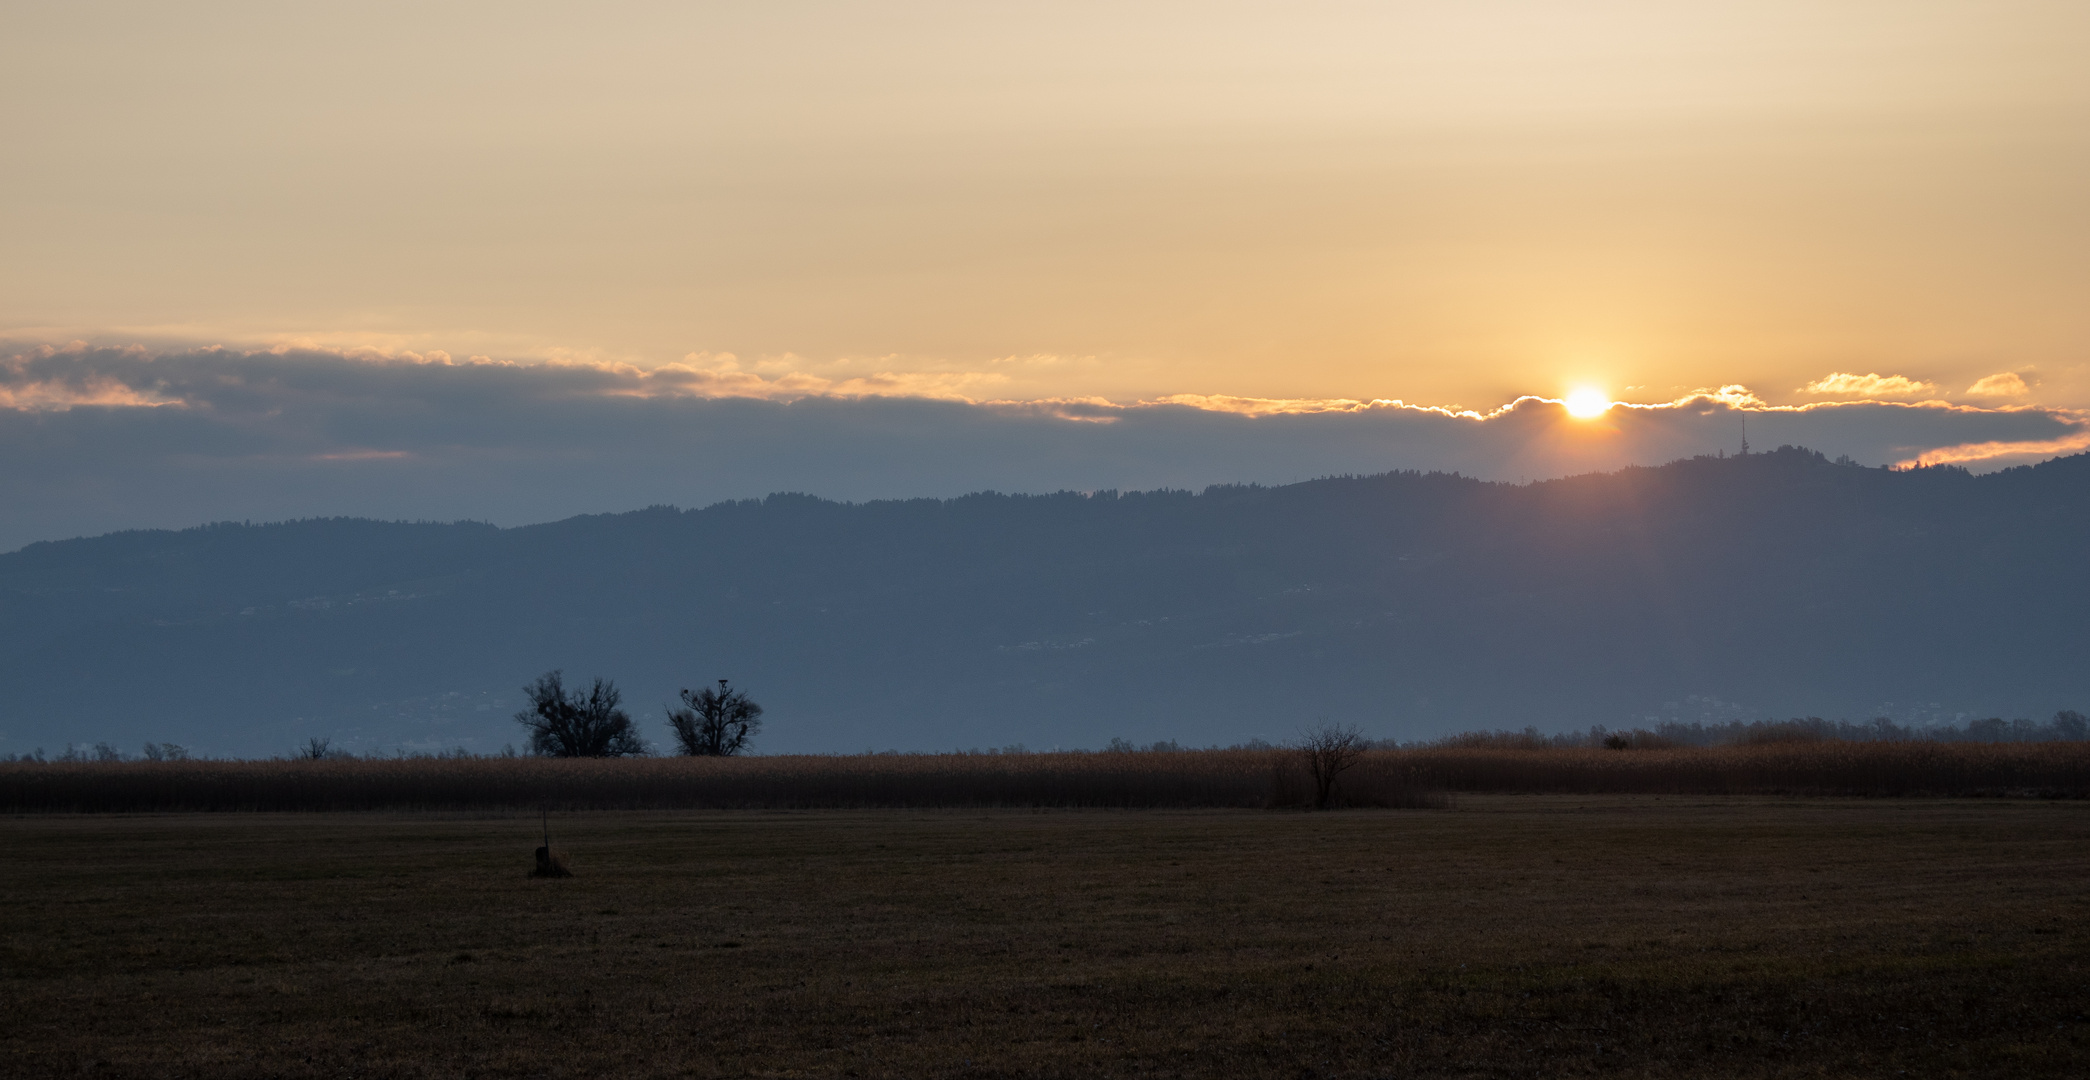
point(1509, 936)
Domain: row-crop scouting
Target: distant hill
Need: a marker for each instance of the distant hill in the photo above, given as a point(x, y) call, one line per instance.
point(1771, 585)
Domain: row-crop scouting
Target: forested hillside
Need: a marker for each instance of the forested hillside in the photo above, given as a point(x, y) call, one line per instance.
point(1769, 585)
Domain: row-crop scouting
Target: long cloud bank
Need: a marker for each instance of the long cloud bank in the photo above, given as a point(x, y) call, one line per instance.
point(95, 440)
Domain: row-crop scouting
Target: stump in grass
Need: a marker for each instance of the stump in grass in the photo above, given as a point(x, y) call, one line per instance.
point(551, 863)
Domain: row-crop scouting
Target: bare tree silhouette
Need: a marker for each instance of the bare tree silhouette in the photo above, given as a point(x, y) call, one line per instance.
point(566, 723)
point(715, 723)
point(1329, 750)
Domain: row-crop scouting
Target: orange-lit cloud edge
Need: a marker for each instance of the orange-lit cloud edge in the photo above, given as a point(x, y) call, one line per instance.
point(722, 376)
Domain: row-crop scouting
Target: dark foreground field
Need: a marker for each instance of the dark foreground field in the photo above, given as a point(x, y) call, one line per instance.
point(1510, 936)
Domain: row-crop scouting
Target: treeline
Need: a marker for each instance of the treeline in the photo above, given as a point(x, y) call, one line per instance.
point(102, 752)
point(1271, 778)
point(729, 733)
point(2066, 726)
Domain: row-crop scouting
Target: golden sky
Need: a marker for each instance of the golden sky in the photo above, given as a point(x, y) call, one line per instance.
point(1447, 203)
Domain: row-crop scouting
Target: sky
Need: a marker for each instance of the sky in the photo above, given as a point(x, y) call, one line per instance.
point(922, 245)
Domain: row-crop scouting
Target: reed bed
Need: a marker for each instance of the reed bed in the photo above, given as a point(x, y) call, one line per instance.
point(1196, 778)
point(1218, 778)
point(2050, 769)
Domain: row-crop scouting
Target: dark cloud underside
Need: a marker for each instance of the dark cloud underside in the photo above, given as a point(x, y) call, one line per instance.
point(265, 436)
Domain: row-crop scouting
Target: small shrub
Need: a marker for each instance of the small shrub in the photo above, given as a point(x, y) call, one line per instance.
point(1329, 751)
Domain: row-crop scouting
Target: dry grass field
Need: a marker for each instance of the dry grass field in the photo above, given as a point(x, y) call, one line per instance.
point(1510, 936)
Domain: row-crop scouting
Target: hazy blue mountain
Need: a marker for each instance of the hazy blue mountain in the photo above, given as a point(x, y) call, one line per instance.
point(1771, 585)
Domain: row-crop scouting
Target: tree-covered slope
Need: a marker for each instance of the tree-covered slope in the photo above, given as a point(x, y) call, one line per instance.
point(1773, 584)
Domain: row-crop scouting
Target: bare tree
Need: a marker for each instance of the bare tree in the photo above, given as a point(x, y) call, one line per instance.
point(1329, 750)
point(315, 748)
point(715, 723)
point(566, 723)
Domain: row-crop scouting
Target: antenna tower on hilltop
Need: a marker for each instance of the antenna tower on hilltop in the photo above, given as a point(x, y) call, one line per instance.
point(1745, 434)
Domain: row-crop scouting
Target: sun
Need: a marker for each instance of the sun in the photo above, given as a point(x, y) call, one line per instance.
point(1584, 404)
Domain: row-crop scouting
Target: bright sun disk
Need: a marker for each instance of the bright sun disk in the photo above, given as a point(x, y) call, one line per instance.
point(1583, 404)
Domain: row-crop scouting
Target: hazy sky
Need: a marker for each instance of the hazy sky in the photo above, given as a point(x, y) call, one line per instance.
point(516, 261)
point(1445, 203)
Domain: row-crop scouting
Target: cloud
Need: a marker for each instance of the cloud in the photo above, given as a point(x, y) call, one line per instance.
point(1991, 452)
point(104, 439)
point(1733, 394)
point(2001, 384)
point(1873, 385)
point(724, 375)
point(29, 386)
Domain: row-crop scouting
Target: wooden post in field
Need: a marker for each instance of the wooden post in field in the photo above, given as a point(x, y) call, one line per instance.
point(544, 854)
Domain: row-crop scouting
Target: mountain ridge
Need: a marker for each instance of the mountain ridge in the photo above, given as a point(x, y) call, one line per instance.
point(1411, 603)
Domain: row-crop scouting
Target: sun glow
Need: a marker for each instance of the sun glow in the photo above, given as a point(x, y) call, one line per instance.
point(1584, 404)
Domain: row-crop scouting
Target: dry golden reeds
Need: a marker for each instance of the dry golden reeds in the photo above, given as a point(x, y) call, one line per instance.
point(1241, 778)
point(2051, 769)
point(1200, 778)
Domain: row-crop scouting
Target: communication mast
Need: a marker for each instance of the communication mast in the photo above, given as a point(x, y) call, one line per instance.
point(1745, 434)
